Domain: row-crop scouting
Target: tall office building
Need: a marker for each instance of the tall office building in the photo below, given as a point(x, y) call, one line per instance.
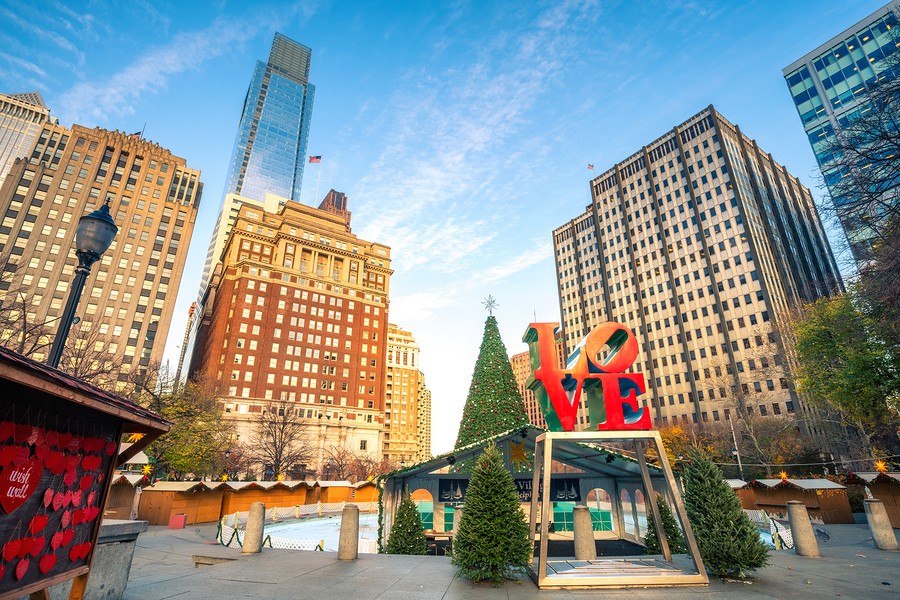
point(401, 398)
point(298, 314)
point(830, 88)
point(270, 149)
point(130, 295)
point(423, 421)
point(522, 371)
point(21, 118)
point(699, 242)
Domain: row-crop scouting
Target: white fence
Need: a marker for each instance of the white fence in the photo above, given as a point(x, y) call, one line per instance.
point(231, 527)
point(781, 535)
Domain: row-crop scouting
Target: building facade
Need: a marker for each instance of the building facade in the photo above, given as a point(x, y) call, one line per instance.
point(521, 368)
point(126, 307)
point(401, 398)
point(423, 421)
point(298, 315)
point(830, 88)
point(21, 119)
point(701, 243)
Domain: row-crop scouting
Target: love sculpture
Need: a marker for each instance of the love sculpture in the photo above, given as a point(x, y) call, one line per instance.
point(590, 373)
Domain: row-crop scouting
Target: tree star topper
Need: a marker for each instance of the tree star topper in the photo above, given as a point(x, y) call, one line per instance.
point(490, 304)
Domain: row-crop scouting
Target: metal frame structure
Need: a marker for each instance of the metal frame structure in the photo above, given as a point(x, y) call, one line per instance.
point(613, 572)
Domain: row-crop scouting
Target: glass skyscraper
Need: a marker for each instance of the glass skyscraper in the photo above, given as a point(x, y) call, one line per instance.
point(270, 147)
point(830, 90)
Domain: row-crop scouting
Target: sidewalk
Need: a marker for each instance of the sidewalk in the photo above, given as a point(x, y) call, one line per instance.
point(163, 567)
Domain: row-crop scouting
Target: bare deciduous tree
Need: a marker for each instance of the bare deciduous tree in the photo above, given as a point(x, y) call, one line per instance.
point(279, 439)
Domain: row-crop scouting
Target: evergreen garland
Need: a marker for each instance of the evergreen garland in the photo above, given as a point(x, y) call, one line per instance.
point(729, 542)
point(494, 404)
point(493, 538)
point(670, 527)
point(407, 536)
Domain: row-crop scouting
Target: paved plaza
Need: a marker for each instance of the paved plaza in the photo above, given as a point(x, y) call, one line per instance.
point(163, 567)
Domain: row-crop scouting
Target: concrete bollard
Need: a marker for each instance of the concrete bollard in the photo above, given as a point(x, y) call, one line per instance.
point(585, 547)
point(457, 517)
point(805, 543)
point(253, 533)
point(880, 525)
point(348, 544)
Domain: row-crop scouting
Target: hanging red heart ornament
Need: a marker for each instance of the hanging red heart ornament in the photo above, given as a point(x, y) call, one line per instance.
point(91, 497)
point(46, 563)
point(20, 456)
point(76, 497)
point(74, 551)
point(11, 549)
point(77, 517)
point(74, 444)
point(111, 448)
point(56, 540)
point(37, 436)
point(86, 549)
point(90, 463)
point(54, 462)
point(58, 500)
point(66, 519)
point(41, 451)
point(69, 478)
point(17, 483)
point(63, 440)
point(68, 534)
point(21, 568)
point(7, 429)
point(22, 433)
point(36, 544)
point(38, 522)
point(51, 437)
point(86, 482)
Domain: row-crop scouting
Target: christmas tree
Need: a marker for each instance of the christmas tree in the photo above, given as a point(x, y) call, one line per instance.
point(670, 527)
point(494, 404)
point(729, 542)
point(407, 536)
point(493, 540)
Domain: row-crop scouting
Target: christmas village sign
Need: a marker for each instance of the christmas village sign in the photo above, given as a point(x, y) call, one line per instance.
point(59, 445)
point(596, 374)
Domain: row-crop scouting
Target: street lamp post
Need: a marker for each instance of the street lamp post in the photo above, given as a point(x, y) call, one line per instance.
point(93, 236)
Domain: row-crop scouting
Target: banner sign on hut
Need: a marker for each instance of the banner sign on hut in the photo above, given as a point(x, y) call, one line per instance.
point(591, 373)
point(452, 491)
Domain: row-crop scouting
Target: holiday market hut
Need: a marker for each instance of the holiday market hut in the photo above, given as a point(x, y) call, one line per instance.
point(824, 499)
point(239, 495)
point(885, 487)
point(744, 492)
point(609, 483)
point(124, 496)
point(59, 446)
point(180, 503)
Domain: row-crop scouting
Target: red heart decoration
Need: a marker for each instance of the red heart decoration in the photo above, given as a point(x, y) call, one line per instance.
point(17, 483)
point(38, 522)
point(68, 534)
point(37, 436)
point(20, 456)
point(21, 568)
point(76, 498)
point(63, 440)
point(91, 463)
point(67, 498)
point(111, 448)
point(69, 478)
point(74, 444)
point(22, 433)
point(95, 512)
point(93, 444)
point(85, 549)
point(72, 463)
point(56, 540)
point(86, 482)
point(51, 437)
point(91, 497)
point(74, 551)
point(11, 549)
point(54, 462)
point(7, 453)
point(42, 451)
point(66, 519)
point(78, 517)
point(46, 563)
point(58, 500)
point(48, 497)
point(36, 545)
point(7, 429)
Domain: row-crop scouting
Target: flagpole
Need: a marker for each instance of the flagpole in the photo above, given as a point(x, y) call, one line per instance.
point(318, 177)
point(142, 130)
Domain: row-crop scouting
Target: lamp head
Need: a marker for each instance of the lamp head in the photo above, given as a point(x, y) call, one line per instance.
point(95, 233)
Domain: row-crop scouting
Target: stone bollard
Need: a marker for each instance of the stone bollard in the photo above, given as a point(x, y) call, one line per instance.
point(457, 517)
point(805, 543)
point(880, 525)
point(348, 544)
point(253, 533)
point(585, 547)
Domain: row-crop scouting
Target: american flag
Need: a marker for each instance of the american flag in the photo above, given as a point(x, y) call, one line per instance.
point(590, 166)
point(315, 159)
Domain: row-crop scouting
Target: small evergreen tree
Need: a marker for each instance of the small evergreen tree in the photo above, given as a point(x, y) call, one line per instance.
point(670, 527)
point(407, 536)
point(494, 404)
point(729, 542)
point(493, 538)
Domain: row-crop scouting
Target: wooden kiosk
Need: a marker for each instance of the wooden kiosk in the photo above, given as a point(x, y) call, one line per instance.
point(59, 446)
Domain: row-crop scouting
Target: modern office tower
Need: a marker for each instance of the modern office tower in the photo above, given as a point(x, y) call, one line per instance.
point(423, 421)
point(298, 315)
point(830, 88)
point(270, 149)
point(699, 242)
point(127, 303)
point(401, 398)
point(521, 367)
point(21, 118)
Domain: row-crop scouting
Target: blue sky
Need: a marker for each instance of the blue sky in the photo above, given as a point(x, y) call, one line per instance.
point(461, 131)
